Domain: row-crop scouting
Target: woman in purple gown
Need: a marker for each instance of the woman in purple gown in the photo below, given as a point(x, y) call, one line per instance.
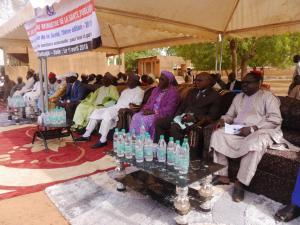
point(163, 102)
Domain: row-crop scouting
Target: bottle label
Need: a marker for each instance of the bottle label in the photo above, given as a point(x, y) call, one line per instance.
point(170, 156)
point(128, 149)
point(139, 154)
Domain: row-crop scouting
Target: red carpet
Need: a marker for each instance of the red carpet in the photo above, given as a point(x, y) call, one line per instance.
point(26, 168)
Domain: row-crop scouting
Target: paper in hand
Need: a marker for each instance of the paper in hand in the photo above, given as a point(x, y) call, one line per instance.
point(233, 128)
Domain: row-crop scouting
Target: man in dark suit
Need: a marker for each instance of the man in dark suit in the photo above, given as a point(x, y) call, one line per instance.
point(233, 84)
point(201, 106)
point(74, 94)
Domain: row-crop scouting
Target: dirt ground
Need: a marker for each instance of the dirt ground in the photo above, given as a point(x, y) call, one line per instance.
point(31, 209)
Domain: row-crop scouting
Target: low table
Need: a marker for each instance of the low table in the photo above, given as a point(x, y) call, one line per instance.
point(52, 131)
point(200, 171)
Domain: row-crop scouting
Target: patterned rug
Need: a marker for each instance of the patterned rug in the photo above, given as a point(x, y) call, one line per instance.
point(94, 200)
point(26, 167)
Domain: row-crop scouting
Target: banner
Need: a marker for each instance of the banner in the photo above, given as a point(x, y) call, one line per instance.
point(65, 28)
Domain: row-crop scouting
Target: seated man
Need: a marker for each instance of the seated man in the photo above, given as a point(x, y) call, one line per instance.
point(7, 87)
point(258, 114)
point(233, 84)
point(28, 85)
point(60, 91)
point(74, 94)
point(201, 106)
point(292, 210)
point(294, 89)
point(109, 116)
point(162, 103)
point(32, 96)
point(105, 96)
point(20, 84)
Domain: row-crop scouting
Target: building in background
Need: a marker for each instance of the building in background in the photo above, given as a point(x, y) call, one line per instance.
point(156, 64)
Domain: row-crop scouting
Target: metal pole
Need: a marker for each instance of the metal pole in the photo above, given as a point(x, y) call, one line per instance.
point(46, 85)
point(216, 63)
point(221, 54)
point(41, 84)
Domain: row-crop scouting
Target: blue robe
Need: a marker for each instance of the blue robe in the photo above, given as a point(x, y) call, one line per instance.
point(296, 193)
point(75, 92)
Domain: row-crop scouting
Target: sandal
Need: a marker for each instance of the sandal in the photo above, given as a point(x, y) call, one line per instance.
point(238, 193)
point(217, 181)
point(287, 213)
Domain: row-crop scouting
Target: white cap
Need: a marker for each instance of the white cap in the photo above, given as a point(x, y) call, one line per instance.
point(71, 74)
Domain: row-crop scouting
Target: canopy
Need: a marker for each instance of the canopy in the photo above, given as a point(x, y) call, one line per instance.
point(128, 25)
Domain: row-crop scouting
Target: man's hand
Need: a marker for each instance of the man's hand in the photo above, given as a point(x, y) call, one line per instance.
point(188, 118)
point(220, 124)
point(245, 131)
point(133, 106)
point(147, 112)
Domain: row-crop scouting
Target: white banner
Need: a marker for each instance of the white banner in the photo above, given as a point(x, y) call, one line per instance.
point(65, 28)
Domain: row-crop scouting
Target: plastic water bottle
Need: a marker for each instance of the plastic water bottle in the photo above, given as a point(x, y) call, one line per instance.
point(115, 139)
point(142, 130)
point(133, 141)
point(121, 145)
point(171, 152)
point(177, 157)
point(128, 147)
point(139, 150)
point(184, 157)
point(162, 149)
point(148, 152)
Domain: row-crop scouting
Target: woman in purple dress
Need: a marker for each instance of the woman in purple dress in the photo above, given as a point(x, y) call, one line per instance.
point(163, 102)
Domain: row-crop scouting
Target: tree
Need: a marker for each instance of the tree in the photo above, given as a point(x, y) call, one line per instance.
point(276, 51)
point(131, 58)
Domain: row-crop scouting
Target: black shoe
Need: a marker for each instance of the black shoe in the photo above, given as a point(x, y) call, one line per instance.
point(99, 145)
point(217, 181)
point(9, 117)
point(83, 138)
point(287, 213)
point(238, 193)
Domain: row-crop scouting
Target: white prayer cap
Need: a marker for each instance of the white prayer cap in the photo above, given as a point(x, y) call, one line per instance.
point(60, 77)
point(71, 74)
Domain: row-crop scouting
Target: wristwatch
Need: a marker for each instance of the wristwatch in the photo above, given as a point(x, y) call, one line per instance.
point(252, 130)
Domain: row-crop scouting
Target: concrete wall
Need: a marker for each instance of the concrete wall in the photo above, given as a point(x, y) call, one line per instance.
point(86, 62)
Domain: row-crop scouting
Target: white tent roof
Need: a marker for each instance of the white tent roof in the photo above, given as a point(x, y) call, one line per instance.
point(134, 24)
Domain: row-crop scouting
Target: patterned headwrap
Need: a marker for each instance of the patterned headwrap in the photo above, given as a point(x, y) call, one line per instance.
point(169, 75)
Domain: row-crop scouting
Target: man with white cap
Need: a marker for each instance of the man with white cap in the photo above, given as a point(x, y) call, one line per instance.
point(75, 92)
point(60, 91)
point(109, 116)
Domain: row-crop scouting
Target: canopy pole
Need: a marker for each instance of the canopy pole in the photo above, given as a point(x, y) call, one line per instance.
point(216, 63)
point(41, 83)
point(221, 53)
point(46, 85)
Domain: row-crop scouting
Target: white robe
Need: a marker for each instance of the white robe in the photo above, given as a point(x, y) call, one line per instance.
point(27, 87)
point(128, 96)
point(109, 116)
point(31, 97)
point(262, 110)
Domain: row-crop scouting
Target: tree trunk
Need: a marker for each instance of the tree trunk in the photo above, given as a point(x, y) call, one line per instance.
point(233, 50)
point(244, 65)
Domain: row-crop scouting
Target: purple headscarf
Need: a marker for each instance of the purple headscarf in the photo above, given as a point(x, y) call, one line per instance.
point(169, 75)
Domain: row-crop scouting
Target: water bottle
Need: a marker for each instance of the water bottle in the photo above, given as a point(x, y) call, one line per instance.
point(121, 145)
point(148, 153)
point(184, 157)
point(177, 157)
point(133, 141)
point(142, 130)
point(128, 147)
point(139, 150)
point(115, 139)
point(162, 149)
point(171, 151)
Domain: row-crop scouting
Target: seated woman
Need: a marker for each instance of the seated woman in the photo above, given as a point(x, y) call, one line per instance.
point(105, 96)
point(162, 103)
point(294, 89)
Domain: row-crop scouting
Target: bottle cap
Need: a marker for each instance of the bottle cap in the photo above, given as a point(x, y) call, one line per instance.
point(162, 136)
point(171, 139)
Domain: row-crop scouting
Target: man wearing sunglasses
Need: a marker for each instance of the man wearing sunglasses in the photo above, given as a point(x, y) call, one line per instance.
point(258, 113)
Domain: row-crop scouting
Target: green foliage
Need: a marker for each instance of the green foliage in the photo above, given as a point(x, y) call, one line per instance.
point(276, 51)
point(131, 58)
